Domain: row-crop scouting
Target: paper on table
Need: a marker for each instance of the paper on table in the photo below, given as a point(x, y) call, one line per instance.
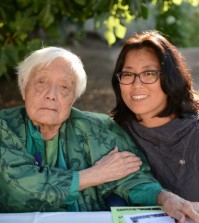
point(121, 214)
point(150, 217)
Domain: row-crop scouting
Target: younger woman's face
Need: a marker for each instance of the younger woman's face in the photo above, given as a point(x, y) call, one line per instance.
point(145, 100)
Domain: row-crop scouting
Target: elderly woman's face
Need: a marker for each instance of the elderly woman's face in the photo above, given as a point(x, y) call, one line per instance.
point(50, 93)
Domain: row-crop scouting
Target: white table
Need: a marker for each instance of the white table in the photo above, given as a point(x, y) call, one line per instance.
point(57, 217)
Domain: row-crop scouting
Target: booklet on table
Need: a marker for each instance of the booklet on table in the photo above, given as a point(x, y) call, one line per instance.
point(149, 214)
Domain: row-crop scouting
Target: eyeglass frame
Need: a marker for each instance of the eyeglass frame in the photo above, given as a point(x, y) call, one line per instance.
point(138, 75)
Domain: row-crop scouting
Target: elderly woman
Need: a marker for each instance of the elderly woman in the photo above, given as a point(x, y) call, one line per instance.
point(56, 158)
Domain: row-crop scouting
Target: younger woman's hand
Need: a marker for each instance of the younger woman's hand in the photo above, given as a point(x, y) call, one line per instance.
point(178, 208)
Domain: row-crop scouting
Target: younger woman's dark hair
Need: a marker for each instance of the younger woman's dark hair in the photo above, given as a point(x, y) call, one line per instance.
point(175, 78)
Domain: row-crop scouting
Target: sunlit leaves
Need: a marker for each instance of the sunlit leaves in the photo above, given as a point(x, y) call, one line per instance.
point(120, 30)
point(194, 2)
point(177, 2)
point(115, 24)
point(109, 35)
point(166, 4)
point(114, 29)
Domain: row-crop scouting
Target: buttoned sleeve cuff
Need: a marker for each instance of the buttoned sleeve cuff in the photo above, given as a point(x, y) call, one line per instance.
point(145, 194)
point(73, 193)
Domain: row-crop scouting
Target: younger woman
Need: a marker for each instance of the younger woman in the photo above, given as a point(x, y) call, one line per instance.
point(155, 104)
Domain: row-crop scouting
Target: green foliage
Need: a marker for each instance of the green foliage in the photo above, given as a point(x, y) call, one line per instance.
point(180, 23)
point(26, 25)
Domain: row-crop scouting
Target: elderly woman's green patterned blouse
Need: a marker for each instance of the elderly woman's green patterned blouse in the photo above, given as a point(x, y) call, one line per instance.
point(43, 176)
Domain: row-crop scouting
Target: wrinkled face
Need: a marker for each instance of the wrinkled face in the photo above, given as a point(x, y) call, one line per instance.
point(50, 93)
point(145, 100)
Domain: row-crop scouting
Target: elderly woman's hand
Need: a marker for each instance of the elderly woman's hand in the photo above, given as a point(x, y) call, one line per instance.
point(113, 166)
point(116, 165)
point(178, 208)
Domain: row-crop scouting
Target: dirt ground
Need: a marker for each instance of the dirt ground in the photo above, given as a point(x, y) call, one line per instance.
point(99, 61)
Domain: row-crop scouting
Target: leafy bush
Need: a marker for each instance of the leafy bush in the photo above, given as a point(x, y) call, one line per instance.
point(26, 25)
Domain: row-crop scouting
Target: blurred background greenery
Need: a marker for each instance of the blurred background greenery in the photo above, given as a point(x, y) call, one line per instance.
point(26, 25)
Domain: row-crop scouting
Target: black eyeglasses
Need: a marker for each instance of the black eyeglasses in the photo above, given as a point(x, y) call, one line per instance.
point(146, 77)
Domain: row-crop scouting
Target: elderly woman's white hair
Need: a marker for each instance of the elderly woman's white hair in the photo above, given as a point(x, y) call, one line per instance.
point(44, 57)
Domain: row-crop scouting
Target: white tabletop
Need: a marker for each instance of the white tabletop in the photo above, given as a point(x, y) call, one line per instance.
point(57, 217)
